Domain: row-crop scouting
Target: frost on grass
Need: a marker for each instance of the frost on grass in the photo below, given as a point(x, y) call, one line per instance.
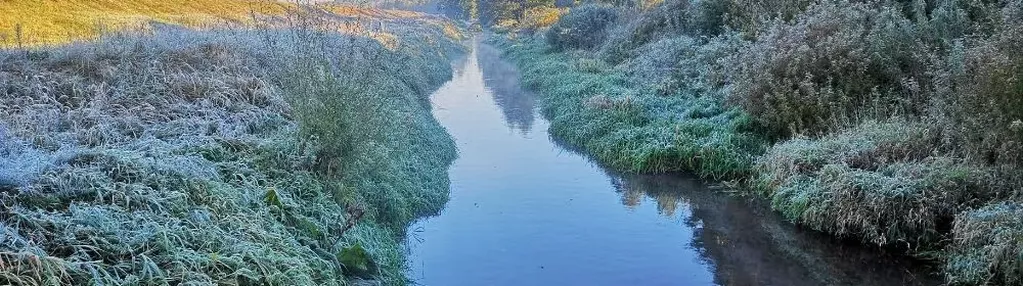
point(185, 158)
point(988, 246)
point(19, 163)
point(614, 115)
point(879, 182)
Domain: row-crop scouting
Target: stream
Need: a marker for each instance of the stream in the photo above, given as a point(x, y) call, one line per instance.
point(525, 210)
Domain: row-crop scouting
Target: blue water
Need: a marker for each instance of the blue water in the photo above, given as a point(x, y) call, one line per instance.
point(526, 211)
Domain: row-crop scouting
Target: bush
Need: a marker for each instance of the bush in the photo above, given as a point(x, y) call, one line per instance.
point(658, 62)
point(709, 17)
point(668, 18)
point(685, 65)
point(988, 246)
point(541, 17)
point(985, 79)
point(583, 27)
point(834, 65)
point(753, 17)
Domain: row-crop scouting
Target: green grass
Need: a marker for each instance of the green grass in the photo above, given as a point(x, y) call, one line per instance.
point(232, 157)
point(599, 109)
point(878, 182)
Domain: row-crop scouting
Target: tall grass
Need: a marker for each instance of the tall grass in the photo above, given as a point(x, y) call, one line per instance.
point(284, 157)
point(987, 246)
point(883, 183)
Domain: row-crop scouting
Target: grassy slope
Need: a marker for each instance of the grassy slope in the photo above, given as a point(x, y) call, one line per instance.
point(227, 158)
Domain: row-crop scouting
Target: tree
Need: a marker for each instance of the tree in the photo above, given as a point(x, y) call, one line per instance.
point(494, 11)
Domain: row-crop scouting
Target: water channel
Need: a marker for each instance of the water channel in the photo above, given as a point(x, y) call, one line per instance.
point(525, 210)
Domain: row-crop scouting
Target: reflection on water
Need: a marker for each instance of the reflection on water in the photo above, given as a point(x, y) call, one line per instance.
point(750, 245)
point(517, 105)
point(526, 211)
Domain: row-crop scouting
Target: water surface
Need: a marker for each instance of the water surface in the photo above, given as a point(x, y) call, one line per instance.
point(526, 211)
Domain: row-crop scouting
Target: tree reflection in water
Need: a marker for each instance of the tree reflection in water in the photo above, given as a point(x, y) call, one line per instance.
point(517, 105)
point(747, 244)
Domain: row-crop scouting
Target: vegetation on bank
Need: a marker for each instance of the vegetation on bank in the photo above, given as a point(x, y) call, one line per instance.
point(291, 156)
point(897, 123)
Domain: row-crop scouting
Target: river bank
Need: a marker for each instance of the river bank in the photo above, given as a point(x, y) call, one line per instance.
point(838, 148)
point(526, 209)
point(283, 156)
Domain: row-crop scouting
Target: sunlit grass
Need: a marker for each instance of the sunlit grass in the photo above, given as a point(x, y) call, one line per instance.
point(32, 23)
point(378, 14)
point(37, 22)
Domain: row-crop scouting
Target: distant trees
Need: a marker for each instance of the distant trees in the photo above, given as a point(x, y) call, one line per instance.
point(491, 12)
point(459, 9)
point(495, 11)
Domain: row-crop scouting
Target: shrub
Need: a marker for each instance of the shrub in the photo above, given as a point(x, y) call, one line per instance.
point(672, 18)
point(985, 79)
point(753, 17)
point(657, 62)
point(835, 64)
point(685, 65)
point(541, 17)
point(987, 246)
point(668, 18)
point(709, 17)
point(583, 27)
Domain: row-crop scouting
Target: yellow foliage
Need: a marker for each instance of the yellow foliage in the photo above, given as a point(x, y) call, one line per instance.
point(388, 40)
point(541, 17)
point(353, 11)
point(451, 31)
point(650, 4)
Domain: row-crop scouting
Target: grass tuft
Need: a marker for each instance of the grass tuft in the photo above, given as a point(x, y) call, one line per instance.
point(988, 246)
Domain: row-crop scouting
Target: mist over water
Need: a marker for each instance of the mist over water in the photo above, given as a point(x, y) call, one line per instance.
point(526, 211)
